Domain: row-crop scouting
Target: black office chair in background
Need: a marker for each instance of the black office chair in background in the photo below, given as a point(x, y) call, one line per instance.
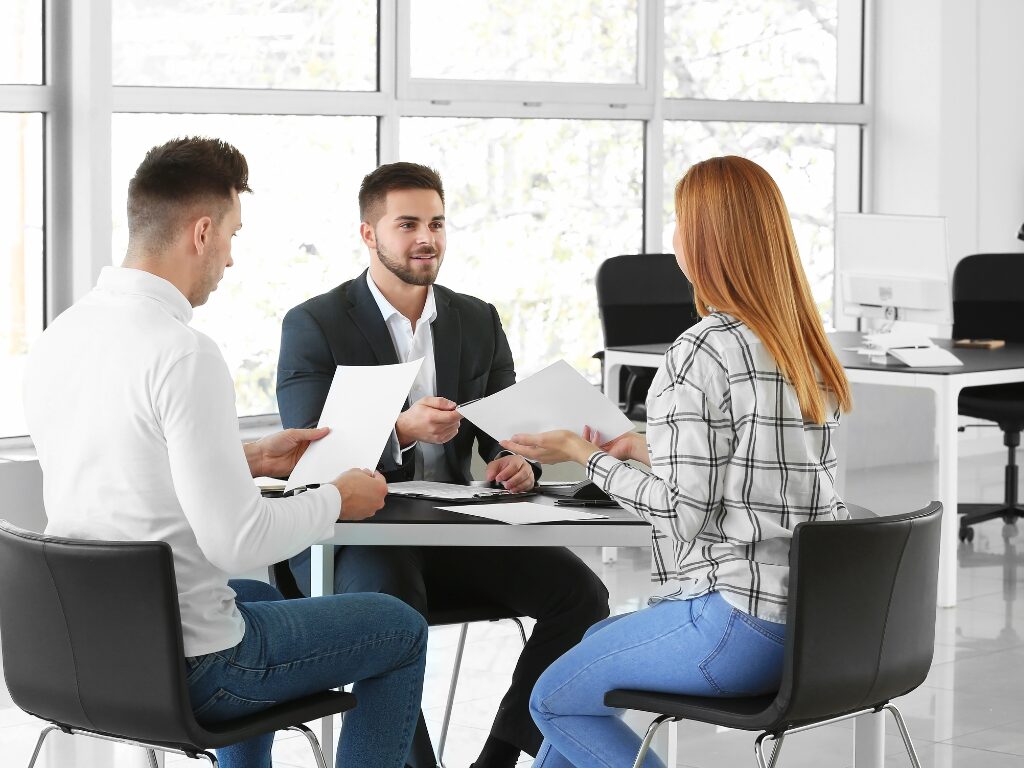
point(438, 616)
point(988, 303)
point(92, 644)
point(860, 633)
point(643, 299)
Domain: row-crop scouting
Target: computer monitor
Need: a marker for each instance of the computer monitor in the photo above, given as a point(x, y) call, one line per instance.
point(893, 267)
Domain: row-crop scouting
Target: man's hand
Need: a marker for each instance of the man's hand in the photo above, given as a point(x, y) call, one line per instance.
point(428, 420)
point(276, 455)
point(362, 493)
point(513, 472)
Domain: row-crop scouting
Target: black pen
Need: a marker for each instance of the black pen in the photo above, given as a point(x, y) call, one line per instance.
point(584, 503)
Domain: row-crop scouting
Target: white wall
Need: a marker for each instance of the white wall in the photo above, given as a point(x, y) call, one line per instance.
point(947, 133)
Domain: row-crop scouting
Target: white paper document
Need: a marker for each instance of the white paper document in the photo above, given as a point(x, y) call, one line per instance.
point(524, 513)
point(452, 491)
point(361, 408)
point(556, 397)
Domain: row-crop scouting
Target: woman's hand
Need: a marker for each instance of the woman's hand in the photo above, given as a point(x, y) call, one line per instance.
point(631, 445)
point(551, 447)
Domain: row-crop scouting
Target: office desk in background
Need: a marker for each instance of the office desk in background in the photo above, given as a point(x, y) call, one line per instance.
point(980, 367)
point(417, 522)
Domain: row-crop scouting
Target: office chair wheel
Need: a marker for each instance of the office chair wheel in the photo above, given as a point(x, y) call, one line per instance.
point(967, 534)
point(1009, 530)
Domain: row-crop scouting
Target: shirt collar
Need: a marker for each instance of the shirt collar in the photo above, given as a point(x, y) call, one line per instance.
point(127, 280)
point(387, 311)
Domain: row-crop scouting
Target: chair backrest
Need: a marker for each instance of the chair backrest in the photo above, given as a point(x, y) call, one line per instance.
point(92, 636)
point(861, 613)
point(643, 299)
point(988, 297)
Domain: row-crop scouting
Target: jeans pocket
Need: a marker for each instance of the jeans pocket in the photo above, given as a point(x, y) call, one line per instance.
point(224, 705)
point(747, 661)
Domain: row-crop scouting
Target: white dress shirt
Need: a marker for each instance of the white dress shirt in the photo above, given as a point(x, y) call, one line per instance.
point(133, 417)
point(411, 345)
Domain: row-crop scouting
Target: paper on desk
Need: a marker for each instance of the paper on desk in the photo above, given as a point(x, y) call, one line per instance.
point(449, 491)
point(524, 513)
point(361, 408)
point(556, 397)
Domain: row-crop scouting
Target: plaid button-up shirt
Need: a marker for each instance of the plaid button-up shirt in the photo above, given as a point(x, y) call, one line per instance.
point(734, 468)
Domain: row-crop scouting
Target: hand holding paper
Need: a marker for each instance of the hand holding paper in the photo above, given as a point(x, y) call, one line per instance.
point(361, 408)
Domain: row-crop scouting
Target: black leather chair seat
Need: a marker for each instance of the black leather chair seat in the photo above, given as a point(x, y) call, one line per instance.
point(1002, 403)
point(747, 712)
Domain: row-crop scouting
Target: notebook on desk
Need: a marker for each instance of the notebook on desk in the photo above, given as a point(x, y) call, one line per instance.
point(465, 494)
point(583, 490)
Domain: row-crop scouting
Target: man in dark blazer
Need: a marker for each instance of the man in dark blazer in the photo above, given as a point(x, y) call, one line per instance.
point(393, 313)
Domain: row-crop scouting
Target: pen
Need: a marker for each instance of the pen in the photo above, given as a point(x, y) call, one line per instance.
point(584, 503)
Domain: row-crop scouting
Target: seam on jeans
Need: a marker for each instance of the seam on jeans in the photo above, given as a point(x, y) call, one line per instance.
point(582, 746)
point(703, 665)
point(378, 640)
point(748, 620)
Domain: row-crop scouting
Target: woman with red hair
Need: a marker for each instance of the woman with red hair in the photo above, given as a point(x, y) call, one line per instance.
point(739, 449)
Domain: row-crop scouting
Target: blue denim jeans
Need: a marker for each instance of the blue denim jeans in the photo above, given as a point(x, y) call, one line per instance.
point(293, 648)
point(700, 647)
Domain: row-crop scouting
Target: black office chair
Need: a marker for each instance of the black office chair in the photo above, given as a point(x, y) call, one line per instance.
point(92, 644)
point(988, 303)
point(861, 632)
point(643, 299)
point(438, 616)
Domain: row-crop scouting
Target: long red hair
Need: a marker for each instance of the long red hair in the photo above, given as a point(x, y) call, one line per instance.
point(742, 258)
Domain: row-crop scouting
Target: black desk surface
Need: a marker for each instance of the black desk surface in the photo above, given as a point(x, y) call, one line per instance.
point(974, 360)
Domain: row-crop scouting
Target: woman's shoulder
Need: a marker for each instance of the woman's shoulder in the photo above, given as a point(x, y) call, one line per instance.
point(703, 346)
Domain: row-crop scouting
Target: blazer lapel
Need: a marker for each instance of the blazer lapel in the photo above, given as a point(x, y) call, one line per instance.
point(447, 333)
point(366, 315)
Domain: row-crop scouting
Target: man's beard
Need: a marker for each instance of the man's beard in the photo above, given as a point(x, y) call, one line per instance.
point(404, 273)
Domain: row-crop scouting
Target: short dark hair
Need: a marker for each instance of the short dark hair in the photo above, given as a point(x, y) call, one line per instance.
point(374, 190)
point(175, 176)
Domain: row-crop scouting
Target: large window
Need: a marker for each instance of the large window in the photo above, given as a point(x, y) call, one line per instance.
point(21, 257)
point(21, 42)
point(533, 207)
point(559, 129)
point(246, 43)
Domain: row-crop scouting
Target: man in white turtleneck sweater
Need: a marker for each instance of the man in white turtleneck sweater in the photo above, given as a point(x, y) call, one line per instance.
point(133, 417)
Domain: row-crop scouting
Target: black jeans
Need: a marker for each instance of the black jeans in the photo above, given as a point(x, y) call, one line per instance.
point(549, 584)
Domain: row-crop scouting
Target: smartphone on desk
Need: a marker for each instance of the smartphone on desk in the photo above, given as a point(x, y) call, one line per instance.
point(584, 490)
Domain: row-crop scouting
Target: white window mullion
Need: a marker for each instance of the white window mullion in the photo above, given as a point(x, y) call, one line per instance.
point(78, 149)
point(390, 71)
point(654, 133)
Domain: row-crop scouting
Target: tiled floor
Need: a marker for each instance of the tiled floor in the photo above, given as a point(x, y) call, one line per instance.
point(968, 714)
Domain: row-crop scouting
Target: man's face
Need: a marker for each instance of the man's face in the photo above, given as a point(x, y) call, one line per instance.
point(409, 238)
point(217, 255)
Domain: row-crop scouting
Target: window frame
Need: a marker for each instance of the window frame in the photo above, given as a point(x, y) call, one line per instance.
point(78, 98)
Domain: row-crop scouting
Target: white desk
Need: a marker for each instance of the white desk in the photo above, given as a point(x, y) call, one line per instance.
point(416, 522)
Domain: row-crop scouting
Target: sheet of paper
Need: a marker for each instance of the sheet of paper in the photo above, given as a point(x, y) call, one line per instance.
point(525, 512)
point(442, 490)
point(927, 357)
point(269, 483)
point(556, 397)
point(361, 408)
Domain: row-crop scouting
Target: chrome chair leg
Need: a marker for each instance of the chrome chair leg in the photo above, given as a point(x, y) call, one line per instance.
point(151, 758)
point(776, 749)
point(318, 753)
point(209, 756)
point(463, 631)
point(898, 717)
point(649, 737)
point(39, 744)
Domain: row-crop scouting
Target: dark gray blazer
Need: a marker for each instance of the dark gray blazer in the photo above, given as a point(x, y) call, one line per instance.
point(344, 327)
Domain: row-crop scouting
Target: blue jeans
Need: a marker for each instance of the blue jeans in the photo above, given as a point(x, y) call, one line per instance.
point(293, 648)
point(699, 647)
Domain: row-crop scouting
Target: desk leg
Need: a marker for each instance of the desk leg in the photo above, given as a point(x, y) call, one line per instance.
point(946, 394)
point(322, 583)
point(869, 741)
